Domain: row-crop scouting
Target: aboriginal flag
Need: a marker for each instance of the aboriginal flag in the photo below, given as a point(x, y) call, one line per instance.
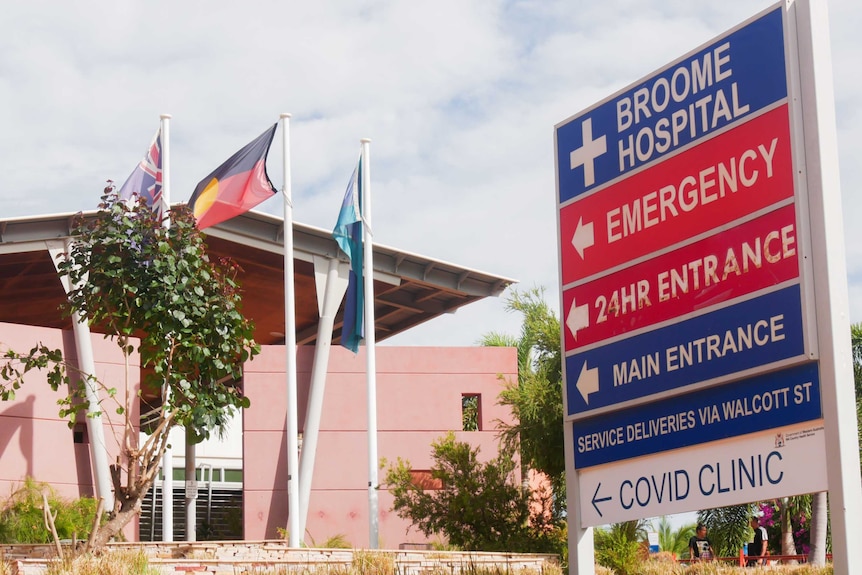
point(236, 186)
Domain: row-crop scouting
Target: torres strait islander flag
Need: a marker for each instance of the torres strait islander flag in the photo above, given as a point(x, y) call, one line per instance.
point(348, 235)
point(236, 186)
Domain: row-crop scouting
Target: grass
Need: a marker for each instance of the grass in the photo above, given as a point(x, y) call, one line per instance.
point(710, 568)
point(126, 562)
point(133, 562)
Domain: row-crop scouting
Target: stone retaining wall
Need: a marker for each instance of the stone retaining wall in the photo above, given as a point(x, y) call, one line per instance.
point(234, 558)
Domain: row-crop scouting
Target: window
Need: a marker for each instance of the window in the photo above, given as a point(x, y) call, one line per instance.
point(471, 412)
point(79, 433)
point(423, 479)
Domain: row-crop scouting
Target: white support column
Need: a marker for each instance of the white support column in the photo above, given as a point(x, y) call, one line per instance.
point(168, 457)
point(87, 365)
point(830, 283)
point(370, 346)
point(582, 555)
point(331, 281)
point(293, 532)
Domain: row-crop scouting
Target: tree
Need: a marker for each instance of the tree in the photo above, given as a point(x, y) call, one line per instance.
point(478, 506)
point(674, 541)
point(134, 278)
point(856, 347)
point(618, 547)
point(727, 527)
point(536, 399)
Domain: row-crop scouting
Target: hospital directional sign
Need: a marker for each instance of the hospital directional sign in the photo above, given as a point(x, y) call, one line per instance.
point(680, 241)
point(701, 317)
point(755, 333)
point(721, 180)
point(781, 462)
point(732, 78)
point(719, 412)
point(722, 267)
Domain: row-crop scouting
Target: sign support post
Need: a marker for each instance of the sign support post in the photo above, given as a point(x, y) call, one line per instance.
point(705, 329)
point(830, 282)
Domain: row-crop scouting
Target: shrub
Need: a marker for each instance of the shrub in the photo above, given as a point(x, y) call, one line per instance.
point(617, 551)
point(22, 518)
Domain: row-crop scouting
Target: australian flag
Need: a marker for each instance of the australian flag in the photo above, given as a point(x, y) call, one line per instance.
point(146, 180)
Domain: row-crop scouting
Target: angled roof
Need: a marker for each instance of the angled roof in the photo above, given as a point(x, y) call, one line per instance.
point(409, 289)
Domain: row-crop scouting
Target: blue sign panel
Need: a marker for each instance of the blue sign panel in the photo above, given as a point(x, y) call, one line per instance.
point(732, 78)
point(747, 406)
point(753, 333)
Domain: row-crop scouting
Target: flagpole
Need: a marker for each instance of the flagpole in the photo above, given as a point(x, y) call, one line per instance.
point(371, 360)
point(168, 457)
point(290, 348)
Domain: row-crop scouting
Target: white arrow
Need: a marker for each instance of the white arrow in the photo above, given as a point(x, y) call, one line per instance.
point(583, 237)
point(578, 318)
point(588, 382)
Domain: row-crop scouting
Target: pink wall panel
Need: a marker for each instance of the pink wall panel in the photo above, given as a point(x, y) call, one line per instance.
point(34, 440)
point(345, 512)
point(258, 520)
point(268, 395)
point(419, 400)
point(267, 452)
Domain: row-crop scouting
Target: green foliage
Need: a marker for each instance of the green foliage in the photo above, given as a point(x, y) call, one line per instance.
point(674, 541)
point(470, 412)
point(856, 347)
point(16, 365)
point(727, 527)
point(618, 547)
point(22, 516)
point(536, 399)
point(480, 507)
point(131, 276)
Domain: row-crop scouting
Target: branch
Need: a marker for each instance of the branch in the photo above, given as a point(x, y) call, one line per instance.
point(96, 523)
point(49, 523)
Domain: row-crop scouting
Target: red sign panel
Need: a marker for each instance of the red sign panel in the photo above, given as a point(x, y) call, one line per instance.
point(724, 178)
point(722, 267)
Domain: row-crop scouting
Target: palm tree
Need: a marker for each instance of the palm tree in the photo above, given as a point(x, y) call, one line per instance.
point(674, 541)
point(536, 399)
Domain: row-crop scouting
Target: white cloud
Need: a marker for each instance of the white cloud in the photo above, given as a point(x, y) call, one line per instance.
point(459, 97)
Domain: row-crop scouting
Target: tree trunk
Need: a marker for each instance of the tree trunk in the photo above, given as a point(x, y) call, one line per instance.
point(819, 524)
point(788, 547)
point(115, 524)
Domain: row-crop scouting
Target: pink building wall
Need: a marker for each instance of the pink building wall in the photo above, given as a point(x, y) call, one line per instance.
point(419, 400)
point(34, 440)
point(419, 394)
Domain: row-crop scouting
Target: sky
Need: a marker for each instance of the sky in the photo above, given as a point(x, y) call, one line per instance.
point(459, 97)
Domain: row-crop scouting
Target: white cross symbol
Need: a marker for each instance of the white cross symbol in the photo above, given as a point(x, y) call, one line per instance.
point(589, 151)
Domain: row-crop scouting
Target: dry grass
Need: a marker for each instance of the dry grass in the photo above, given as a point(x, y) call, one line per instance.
point(127, 562)
point(665, 568)
point(374, 564)
point(133, 562)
